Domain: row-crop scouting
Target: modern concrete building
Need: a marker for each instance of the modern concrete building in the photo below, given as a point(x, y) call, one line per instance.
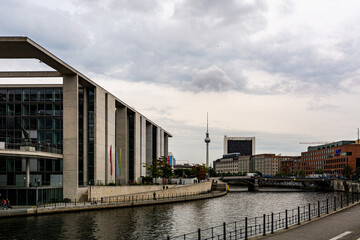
point(243, 145)
point(232, 163)
point(79, 133)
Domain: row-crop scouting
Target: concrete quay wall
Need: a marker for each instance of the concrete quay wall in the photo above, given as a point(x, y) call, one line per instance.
point(114, 191)
point(344, 186)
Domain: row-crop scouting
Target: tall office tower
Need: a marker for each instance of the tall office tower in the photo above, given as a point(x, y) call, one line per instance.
point(243, 145)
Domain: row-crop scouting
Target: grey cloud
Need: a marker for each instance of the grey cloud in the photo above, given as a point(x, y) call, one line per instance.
point(211, 79)
point(131, 41)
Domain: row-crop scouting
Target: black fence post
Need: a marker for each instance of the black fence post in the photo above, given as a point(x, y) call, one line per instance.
point(298, 215)
point(199, 234)
point(102, 200)
point(168, 238)
point(286, 219)
point(224, 229)
point(341, 201)
point(318, 208)
point(246, 230)
point(327, 206)
point(352, 197)
point(334, 203)
point(264, 225)
point(347, 199)
point(272, 223)
point(309, 211)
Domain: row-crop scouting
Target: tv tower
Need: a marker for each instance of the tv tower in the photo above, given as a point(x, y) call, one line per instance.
point(207, 140)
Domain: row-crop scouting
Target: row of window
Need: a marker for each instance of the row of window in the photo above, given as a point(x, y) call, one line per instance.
point(49, 109)
point(31, 123)
point(30, 95)
point(313, 153)
point(17, 164)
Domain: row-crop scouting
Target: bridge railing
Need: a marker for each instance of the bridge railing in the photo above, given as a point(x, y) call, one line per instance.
point(269, 223)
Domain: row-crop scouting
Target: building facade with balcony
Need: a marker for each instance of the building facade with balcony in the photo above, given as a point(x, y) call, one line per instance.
point(55, 140)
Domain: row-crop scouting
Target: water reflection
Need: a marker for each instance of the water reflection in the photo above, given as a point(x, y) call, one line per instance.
point(155, 222)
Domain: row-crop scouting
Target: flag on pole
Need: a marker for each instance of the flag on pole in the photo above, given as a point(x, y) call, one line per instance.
point(110, 162)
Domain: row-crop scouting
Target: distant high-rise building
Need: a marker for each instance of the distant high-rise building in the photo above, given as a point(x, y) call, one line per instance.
point(243, 145)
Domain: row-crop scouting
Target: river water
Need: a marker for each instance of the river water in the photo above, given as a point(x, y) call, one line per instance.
point(156, 222)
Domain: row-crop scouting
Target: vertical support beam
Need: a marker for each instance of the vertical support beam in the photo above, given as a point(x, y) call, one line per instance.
point(166, 145)
point(100, 159)
point(158, 144)
point(137, 148)
point(162, 147)
point(85, 136)
point(111, 137)
point(70, 135)
point(122, 144)
point(143, 146)
point(27, 172)
point(149, 143)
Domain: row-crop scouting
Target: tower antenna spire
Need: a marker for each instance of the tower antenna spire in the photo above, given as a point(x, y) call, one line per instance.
point(207, 139)
point(207, 122)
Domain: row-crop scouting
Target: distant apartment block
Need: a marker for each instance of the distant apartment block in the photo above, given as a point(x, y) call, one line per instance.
point(331, 158)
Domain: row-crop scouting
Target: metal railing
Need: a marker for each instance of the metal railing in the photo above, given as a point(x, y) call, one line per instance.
point(269, 223)
point(128, 200)
point(16, 143)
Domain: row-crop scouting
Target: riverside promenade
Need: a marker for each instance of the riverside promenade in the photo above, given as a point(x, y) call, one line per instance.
point(343, 224)
point(122, 201)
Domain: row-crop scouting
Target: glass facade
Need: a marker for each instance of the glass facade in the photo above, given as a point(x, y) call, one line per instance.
point(91, 134)
point(131, 138)
point(39, 111)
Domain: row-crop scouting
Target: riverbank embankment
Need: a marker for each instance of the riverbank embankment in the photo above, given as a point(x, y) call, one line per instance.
point(174, 194)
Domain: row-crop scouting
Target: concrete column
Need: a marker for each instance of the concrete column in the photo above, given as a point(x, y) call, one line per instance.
point(162, 152)
point(100, 140)
point(27, 172)
point(70, 135)
point(158, 144)
point(149, 143)
point(121, 123)
point(143, 147)
point(111, 138)
point(166, 145)
point(85, 136)
point(137, 148)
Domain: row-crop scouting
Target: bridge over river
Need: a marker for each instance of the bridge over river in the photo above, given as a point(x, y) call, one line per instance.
point(319, 184)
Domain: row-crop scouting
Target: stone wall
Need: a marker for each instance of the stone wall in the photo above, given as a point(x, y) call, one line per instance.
point(343, 186)
point(148, 190)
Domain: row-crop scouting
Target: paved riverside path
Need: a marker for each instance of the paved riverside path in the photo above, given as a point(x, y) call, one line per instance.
point(84, 206)
point(342, 225)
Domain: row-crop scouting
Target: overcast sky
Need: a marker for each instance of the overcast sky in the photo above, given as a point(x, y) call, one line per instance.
point(282, 71)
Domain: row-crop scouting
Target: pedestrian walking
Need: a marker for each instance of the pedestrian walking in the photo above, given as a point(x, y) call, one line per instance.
point(8, 203)
point(154, 196)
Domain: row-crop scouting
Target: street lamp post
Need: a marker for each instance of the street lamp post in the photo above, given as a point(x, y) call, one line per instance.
point(37, 182)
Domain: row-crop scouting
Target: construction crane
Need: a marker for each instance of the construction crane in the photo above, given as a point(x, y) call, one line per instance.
point(311, 143)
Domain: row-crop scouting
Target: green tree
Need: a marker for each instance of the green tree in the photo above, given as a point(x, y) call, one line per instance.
point(212, 172)
point(159, 168)
point(199, 171)
point(301, 173)
point(179, 172)
point(347, 171)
